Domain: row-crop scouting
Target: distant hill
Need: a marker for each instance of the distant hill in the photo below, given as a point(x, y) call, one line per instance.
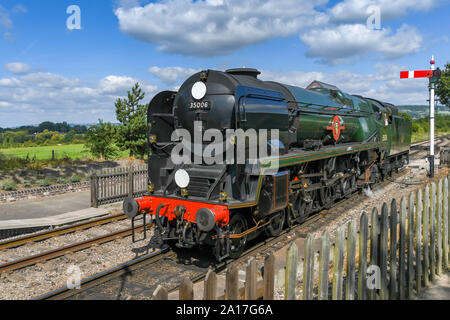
point(420, 111)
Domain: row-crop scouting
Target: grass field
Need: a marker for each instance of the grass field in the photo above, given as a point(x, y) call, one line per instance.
point(72, 151)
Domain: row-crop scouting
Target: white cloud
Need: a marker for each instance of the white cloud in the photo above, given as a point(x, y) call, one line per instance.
point(384, 84)
point(119, 85)
point(19, 9)
point(17, 67)
point(5, 19)
point(355, 11)
point(339, 44)
point(217, 27)
point(172, 75)
point(47, 96)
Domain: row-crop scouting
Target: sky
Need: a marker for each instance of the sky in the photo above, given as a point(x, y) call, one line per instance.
point(54, 68)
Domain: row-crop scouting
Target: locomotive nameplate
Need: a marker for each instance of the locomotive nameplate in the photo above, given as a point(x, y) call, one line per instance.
point(200, 105)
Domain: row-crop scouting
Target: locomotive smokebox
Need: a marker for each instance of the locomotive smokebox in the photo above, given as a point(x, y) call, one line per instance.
point(130, 207)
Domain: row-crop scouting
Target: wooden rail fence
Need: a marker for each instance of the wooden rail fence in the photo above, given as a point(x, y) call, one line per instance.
point(389, 255)
point(444, 156)
point(115, 184)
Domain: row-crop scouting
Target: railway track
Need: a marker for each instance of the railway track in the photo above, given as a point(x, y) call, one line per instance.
point(156, 257)
point(51, 254)
point(127, 269)
point(15, 242)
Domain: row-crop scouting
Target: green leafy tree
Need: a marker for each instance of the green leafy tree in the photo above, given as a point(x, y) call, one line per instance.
point(100, 140)
point(132, 133)
point(443, 86)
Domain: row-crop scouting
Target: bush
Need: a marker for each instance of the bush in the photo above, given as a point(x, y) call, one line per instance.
point(61, 180)
point(27, 183)
point(46, 182)
point(9, 186)
point(75, 178)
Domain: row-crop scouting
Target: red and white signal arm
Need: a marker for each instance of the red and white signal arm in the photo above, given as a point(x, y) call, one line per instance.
point(416, 74)
point(421, 74)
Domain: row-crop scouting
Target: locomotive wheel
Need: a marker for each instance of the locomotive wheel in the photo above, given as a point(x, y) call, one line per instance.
point(276, 225)
point(290, 217)
point(237, 224)
point(325, 197)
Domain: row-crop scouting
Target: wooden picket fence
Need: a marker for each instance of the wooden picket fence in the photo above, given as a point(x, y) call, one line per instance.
point(392, 255)
point(115, 184)
point(444, 156)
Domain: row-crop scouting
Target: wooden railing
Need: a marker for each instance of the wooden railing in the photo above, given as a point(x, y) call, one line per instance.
point(392, 255)
point(444, 156)
point(115, 184)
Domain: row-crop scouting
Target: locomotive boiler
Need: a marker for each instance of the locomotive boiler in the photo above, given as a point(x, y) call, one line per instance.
point(322, 145)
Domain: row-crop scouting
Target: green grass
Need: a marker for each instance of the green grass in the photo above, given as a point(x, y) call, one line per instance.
point(422, 136)
point(72, 151)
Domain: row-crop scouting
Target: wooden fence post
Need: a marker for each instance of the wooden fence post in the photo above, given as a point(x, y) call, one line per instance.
point(362, 265)
point(232, 283)
point(410, 243)
point(186, 291)
point(338, 264)
point(130, 182)
point(269, 276)
point(210, 286)
point(291, 272)
point(250, 280)
point(418, 237)
point(439, 228)
point(433, 232)
point(374, 248)
point(160, 293)
point(94, 190)
point(402, 251)
point(324, 265)
point(384, 229)
point(393, 251)
point(425, 228)
point(445, 225)
point(308, 269)
point(351, 253)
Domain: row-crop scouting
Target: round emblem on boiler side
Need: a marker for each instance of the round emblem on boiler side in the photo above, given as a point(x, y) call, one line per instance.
point(336, 128)
point(198, 90)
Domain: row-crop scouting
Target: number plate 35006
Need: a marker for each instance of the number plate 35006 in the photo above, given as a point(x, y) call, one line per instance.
point(200, 105)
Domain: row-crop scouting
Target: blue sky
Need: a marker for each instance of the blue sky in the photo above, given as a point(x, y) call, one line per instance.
point(48, 72)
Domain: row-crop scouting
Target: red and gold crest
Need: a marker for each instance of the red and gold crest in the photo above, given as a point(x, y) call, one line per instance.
point(336, 126)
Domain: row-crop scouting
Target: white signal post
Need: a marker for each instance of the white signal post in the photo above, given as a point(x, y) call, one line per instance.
point(433, 75)
point(431, 158)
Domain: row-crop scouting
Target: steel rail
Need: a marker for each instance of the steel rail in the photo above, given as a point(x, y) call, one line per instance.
point(31, 260)
point(102, 277)
point(59, 231)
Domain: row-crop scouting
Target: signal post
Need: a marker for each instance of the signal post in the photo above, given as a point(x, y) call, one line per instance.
point(433, 75)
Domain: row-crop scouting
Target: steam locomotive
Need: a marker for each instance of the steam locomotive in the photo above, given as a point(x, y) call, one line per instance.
point(324, 145)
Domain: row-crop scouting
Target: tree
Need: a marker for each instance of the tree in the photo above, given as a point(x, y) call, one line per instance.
point(100, 140)
point(132, 133)
point(443, 86)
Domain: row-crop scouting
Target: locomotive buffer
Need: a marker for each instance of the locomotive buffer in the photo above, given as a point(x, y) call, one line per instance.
point(434, 75)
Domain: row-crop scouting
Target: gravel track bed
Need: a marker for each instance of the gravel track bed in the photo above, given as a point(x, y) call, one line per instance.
point(38, 279)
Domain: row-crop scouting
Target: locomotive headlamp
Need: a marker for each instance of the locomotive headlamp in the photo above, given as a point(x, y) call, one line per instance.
point(152, 139)
point(205, 219)
point(198, 90)
point(182, 178)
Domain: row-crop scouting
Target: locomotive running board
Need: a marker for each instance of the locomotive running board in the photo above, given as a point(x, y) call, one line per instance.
point(299, 158)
